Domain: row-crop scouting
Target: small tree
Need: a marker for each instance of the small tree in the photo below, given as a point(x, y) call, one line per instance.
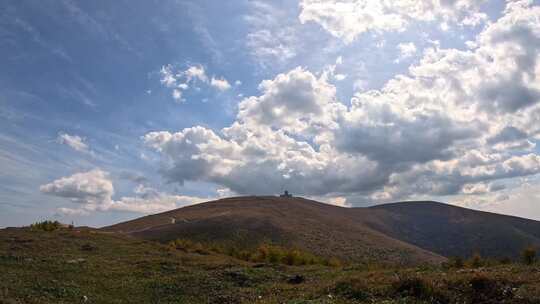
point(46, 226)
point(456, 262)
point(476, 260)
point(528, 256)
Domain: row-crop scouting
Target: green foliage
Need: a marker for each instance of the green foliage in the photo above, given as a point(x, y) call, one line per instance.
point(46, 226)
point(528, 256)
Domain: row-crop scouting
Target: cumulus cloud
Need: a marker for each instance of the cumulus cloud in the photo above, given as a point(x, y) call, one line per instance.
point(94, 190)
point(75, 142)
point(406, 50)
point(196, 72)
point(179, 81)
point(346, 19)
point(220, 84)
point(91, 188)
point(438, 130)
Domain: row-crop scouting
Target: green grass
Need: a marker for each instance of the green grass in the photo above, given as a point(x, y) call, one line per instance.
point(68, 266)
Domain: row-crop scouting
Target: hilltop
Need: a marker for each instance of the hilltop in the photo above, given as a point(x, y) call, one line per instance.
point(399, 233)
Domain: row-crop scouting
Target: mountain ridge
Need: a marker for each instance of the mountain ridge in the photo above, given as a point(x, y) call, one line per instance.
point(404, 233)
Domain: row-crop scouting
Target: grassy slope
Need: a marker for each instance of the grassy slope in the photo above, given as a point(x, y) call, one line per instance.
point(455, 231)
point(315, 227)
point(42, 267)
point(408, 232)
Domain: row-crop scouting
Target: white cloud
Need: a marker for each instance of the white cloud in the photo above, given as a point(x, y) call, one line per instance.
point(406, 50)
point(347, 19)
point(196, 72)
point(220, 84)
point(93, 191)
point(293, 102)
point(154, 204)
point(89, 188)
point(75, 142)
point(71, 212)
point(273, 38)
point(340, 77)
point(177, 95)
point(179, 81)
point(431, 132)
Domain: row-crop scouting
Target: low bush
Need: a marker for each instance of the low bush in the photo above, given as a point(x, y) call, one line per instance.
point(181, 244)
point(264, 253)
point(46, 226)
point(528, 256)
point(456, 262)
point(476, 261)
point(505, 260)
point(483, 288)
point(418, 288)
point(354, 289)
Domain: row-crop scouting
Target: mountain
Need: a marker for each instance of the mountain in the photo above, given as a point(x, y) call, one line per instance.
point(403, 233)
point(454, 231)
point(322, 229)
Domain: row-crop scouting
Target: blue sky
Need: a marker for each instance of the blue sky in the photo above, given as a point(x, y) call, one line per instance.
point(114, 109)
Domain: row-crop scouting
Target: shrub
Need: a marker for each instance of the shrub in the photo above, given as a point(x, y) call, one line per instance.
point(456, 262)
point(88, 247)
point(483, 289)
point(46, 226)
point(264, 253)
point(413, 287)
point(332, 262)
point(243, 255)
point(181, 244)
point(528, 256)
point(418, 288)
point(274, 256)
point(353, 289)
point(476, 261)
point(505, 260)
point(199, 248)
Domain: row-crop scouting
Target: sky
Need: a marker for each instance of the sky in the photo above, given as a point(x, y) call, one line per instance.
point(111, 110)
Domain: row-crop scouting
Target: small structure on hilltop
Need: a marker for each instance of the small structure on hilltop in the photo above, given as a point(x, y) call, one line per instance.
point(286, 194)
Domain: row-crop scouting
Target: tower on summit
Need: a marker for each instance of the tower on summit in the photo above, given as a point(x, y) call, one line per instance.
point(286, 194)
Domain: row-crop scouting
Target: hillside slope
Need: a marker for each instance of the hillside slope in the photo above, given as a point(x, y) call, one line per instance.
point(453, 231)
point(406, 232)
point(319, 228)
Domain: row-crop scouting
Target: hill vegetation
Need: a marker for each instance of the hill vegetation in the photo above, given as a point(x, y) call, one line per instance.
point(453, 231)
point(265, 253)
point(405, 233)
point(269, 250)
point(248, 222)
point(89, 266)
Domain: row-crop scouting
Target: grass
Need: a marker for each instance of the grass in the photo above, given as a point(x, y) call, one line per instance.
point(70, 265)
point(264, 253)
